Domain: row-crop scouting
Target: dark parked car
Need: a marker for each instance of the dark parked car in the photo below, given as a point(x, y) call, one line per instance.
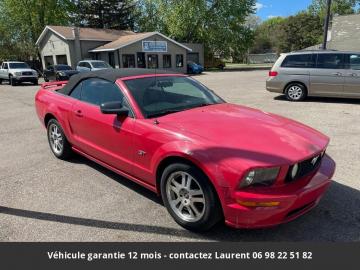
point(59, 73)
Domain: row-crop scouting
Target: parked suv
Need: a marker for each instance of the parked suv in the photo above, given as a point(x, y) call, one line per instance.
point(92, 65)
point(17, 72)
point(316, 73)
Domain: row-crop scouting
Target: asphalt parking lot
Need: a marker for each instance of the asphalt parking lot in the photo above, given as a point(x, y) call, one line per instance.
point(45, 199)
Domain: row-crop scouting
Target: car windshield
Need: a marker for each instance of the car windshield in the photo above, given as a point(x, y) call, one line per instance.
point(100, 65)
point(18, 65)
point(161, 95)
point(63, 67)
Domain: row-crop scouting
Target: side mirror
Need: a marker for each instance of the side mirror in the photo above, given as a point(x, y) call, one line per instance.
point(114, 108)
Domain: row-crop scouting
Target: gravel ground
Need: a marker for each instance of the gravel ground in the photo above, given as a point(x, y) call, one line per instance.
point(45, 199)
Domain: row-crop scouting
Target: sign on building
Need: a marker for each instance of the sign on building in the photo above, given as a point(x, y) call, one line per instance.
point(154, 46)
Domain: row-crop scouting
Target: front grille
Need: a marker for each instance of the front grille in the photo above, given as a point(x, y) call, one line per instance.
point(305, 168)
point(27, 73)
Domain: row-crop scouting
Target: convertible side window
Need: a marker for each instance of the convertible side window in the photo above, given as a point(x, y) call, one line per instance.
point(97, 91)
point(76, 92)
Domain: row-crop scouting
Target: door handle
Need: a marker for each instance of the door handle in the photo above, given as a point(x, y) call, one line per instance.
point(337, 74)
point(78, 113)
point(352, 74)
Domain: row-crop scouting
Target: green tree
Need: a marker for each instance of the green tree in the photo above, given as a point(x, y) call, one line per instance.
point(267, 36)
point(340, 7)
point(112, 14)
point(299, 32)
point(22, 21)
point(219, 24)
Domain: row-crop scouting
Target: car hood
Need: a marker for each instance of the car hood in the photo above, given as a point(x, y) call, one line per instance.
point(94, 69)
point(233, 131)
point(23, 70)
point(68, 72)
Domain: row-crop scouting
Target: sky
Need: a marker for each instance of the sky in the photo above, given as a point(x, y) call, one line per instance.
point(272, 8)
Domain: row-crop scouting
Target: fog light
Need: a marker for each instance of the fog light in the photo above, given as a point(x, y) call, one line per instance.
point(258, 204)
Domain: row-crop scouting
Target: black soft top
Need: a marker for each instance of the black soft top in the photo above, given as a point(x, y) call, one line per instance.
point(110, 75)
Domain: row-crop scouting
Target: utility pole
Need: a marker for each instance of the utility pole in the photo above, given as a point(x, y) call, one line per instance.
point(326, 26)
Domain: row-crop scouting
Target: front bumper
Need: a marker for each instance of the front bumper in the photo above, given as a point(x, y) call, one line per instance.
point(26, 78)
point(292, 203)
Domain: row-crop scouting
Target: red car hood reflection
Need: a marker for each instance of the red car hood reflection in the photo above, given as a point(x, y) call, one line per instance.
point(233, 131)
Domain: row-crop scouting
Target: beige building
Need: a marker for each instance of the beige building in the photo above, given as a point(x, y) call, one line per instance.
point(121, 49)
point(344, 34)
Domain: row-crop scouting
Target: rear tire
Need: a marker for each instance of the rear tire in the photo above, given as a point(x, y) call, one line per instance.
point(190, 198)
point(58, 143)
point(295, 92)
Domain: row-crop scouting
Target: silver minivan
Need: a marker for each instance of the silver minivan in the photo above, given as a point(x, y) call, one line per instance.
point(316, 73)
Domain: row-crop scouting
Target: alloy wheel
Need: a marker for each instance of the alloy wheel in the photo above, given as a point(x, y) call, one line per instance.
point(185, 196)
point(56, 139)
point(295, 92)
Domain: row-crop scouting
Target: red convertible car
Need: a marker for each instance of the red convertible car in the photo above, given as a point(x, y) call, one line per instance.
point(208, 159)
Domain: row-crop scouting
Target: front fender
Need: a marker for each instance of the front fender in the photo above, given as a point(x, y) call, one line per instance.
point(221, 177)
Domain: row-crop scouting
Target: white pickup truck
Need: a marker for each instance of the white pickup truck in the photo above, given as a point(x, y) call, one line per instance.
point(17, 72)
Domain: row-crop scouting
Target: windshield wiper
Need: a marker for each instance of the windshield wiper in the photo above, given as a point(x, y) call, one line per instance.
point(165, 112)
point(199, 105)
point(162, 113)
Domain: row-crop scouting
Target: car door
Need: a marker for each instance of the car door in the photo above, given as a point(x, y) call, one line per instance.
point(4, 71)
point(328, 78)
point(106, 137)
point(352, 76)
point(87, 66)
point(81, 67)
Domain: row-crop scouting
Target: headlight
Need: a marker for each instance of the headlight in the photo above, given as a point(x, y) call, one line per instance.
point(294, 170)
point(35, 73)
point(261, 177)
point(18, 73)
point(62, 73)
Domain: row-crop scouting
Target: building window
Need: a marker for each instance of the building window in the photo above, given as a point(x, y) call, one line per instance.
point(179, 60)
point(167, 60)
point(128, 60)
point(141, 60)
point(61, 59)
point(153, 61)
point(96, 56)
point(49, 61)
point(112, 59)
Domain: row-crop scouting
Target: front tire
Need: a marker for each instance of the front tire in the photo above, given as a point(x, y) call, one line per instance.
point(295, 92)
point(12, 81)
point(58, 143)
point(190, 198)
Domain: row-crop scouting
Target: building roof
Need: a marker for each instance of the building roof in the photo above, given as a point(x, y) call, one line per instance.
point(122, 42)
point(126, 40)
point(110, 75)
point(97, 34)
